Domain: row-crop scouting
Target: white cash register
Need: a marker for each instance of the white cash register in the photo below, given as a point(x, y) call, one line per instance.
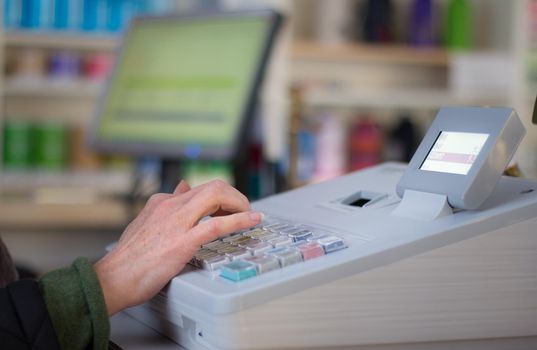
point(443, 249)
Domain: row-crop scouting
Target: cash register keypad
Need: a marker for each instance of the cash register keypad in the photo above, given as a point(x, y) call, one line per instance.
point(272, 245)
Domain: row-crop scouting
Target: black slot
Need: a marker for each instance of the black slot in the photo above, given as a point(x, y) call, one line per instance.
point(360, 202)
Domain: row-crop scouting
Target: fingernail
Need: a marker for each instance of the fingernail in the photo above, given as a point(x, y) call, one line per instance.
point(256, 216)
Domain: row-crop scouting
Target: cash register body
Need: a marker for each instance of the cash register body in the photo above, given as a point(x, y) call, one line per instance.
point(469, 275)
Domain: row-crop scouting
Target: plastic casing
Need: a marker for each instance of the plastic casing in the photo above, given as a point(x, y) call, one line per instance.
point(468, 191)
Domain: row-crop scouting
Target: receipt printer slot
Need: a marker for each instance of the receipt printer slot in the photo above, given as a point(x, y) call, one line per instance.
point(362, 199)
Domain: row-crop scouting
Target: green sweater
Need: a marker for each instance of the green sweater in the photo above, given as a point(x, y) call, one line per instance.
point(76, 306)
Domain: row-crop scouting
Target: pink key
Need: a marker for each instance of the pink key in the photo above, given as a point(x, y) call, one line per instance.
point(310, 250)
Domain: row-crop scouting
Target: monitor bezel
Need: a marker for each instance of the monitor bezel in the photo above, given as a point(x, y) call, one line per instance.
point(180, 151)
point(466, 191)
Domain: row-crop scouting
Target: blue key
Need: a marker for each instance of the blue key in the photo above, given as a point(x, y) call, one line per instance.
point(238, 270)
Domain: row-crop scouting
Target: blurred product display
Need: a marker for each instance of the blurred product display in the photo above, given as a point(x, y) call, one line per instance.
point(30, 64)
point(330, 149)
point(422, 26)
point(420, 23)
point(366, 144)
point(16, 146)
point(64, 66)
point(458, 29)
point(403, 140)
point(377, 19)
point(306, 154)
point(79, 15)
point(33, 67)
point(327, 150)
point(97, 66)
point(50, 146)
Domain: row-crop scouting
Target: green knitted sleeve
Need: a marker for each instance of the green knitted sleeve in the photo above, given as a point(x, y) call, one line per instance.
point(76, 306)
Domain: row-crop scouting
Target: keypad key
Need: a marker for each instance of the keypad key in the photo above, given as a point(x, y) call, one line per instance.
point(331, 244)
point(316, 236)
point(250, 242)
point(227, 249)
point(239, 253)
point(281, 241)
point(291, 230)
point(230, 239)
point(214, 263)
point(255, 233)
point(241, 240)
point(285, 256)
point(268, 236)
point(259, 247)
point(264, 264)
point(277, 227)
point(300, 235)
point(238, 270)
point(310, 250)
point(213, 245)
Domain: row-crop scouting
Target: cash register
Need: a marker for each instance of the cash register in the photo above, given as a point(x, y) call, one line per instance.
point(432, 254)
point(443, 249)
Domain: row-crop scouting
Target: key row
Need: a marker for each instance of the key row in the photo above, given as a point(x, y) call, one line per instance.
point(247, 267)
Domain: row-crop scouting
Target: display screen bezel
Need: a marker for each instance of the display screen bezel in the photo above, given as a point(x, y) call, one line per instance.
point(466, 191)
point(181, 150)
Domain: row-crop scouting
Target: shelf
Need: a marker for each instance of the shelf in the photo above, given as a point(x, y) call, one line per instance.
point(394, 99)
point(52, 89)
point(16, 214)
point(93, 182)
point(361, 53)
point(61, 40)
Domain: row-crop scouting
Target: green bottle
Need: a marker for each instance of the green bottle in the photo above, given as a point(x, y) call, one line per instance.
point(458, 31)
point(17, 144)
point(50, 146)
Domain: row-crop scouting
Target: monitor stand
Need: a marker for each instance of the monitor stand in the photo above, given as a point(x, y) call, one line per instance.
point(170, 175)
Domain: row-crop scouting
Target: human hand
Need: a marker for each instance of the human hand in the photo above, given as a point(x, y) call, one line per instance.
point(163, 238)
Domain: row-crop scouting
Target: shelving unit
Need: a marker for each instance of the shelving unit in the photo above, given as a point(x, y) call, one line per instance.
point(349, 78)
point(38, 199)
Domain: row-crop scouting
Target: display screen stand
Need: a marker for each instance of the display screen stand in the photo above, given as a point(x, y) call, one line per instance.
point(170, 175)
point(423, 206)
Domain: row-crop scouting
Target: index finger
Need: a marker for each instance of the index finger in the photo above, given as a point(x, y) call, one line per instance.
point(216, 198)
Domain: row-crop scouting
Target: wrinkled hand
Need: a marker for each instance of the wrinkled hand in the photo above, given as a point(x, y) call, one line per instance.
point(164, 237)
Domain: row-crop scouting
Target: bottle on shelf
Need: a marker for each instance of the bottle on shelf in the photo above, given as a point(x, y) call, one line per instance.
point(366, 144)
point(17, 144)
point(458, 29)
point(422, 28)
point(330, 149)
point(377, 19)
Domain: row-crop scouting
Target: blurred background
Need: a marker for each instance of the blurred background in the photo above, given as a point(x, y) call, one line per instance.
point(351, 83)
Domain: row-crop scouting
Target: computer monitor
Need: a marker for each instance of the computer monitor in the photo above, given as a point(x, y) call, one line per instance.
point(184, 86)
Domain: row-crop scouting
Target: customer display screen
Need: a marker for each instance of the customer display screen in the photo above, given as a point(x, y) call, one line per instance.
point(454, 152)
point(183, 82)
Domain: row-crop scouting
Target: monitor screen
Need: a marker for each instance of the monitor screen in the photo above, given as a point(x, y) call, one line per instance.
point(454, 152)
point(182, 86)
